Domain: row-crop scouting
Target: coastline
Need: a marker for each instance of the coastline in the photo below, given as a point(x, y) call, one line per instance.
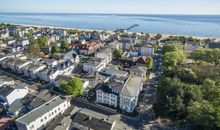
point(108, 31)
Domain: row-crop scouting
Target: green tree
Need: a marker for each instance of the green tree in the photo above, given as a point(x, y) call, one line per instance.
point(171, 48)
point(117, 53)
point(73, 87)
point(149, 62)
point(64, 46)
point(34, 49)
point(203, 114)
point(55, 49)
point(42, 41)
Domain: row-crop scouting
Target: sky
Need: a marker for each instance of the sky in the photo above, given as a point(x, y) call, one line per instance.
point(112, 6)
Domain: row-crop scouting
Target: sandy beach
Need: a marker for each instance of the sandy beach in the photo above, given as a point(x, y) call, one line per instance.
point(108, 31)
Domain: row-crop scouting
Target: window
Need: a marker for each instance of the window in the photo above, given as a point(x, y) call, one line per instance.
point(41, 120)
point(45, 118)
point(55, 111)
point(58, 109)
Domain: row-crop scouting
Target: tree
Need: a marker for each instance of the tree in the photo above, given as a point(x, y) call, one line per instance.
point(202, 114)
point(64, 46)
point(34, 49)
point(55, 49)
point(117, 53)
point(149, 62)
point(171, 48)
point(42, 41)
point(73, 87)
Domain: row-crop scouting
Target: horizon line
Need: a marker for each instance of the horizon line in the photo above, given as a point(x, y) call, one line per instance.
point(103, 13)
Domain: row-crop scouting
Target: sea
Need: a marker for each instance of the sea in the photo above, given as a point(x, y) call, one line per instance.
point(183, 25)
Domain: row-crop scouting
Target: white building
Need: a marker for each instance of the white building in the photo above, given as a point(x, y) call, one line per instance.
point(72, 56)
point(23, 42)
point(95, 64)
point(41, 116)
point(9, 94)
point(145, 49)
point(105, 53)
point(129, 94)
point(120, 92)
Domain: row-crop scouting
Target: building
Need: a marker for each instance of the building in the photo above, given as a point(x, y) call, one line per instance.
point(105, 53)
point(213, 45)
point(41, 116)
point(190, 47)
point(114, 72)
point(145, 49)
point(72, 56)
point(89, 120)
point(94, 64)
point(7, 94)
point(120, 92)
point(129, 93)
point(108, 93)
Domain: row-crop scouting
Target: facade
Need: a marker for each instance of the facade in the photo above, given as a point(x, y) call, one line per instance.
point(129, 94)
point(145, 49)
point(120, 93)
point(41, 116)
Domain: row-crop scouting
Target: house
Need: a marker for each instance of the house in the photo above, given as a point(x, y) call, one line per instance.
point(72, 56)
point(114, 72)
point(5, 80)
point(31, 70)
point(213, 45)
point(34, 69)
point(41, 116)
point(86, 48)
point(105, 53)
point(94, 64)
point(145, 49)
point(50, 74)
point(7, 94)
point(190, 47)
point(94, 79)
point(108, 93)
point(22, 43)
point(51, 62)
point(20, 64)
point(139, 71)
point(129, 93)
point(120, 92)
point(65, 124)
point(89, 120)
point(4, 34)
point(11, 42)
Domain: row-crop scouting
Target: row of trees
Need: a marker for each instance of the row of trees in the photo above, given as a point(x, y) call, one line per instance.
point(207, 55)
point(191, 93)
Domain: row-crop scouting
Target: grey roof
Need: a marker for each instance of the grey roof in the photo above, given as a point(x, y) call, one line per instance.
point(93, 61)
point(214, 45)
point(114, 71)
point(41, 110)
point(6, 90)
point(94, 120)
point(132, 86)
point(64, 124)
point(15, 106)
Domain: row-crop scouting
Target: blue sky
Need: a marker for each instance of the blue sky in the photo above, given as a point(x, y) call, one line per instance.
point(113, 6)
